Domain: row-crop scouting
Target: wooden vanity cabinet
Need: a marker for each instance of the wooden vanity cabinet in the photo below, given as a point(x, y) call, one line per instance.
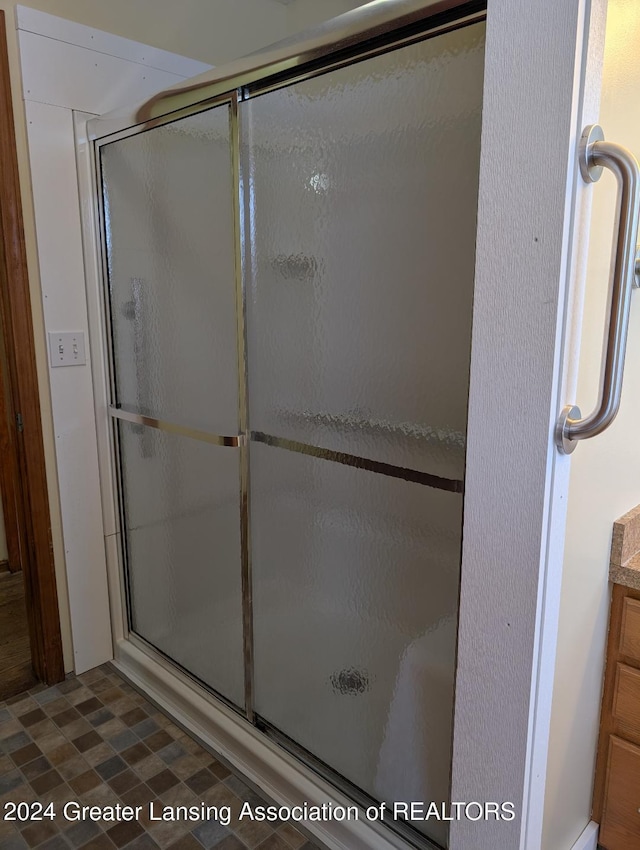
point(616, 802)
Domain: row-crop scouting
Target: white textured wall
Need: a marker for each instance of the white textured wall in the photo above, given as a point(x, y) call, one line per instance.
point(605, 474)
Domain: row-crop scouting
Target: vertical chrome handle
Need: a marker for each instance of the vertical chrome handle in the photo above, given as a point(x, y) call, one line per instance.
point(596, 154)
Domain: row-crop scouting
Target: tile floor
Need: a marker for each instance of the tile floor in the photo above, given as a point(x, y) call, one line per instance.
point(96, 740)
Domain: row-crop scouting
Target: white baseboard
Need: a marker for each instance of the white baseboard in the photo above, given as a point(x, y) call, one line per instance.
point(588, 839)
point(282, 778)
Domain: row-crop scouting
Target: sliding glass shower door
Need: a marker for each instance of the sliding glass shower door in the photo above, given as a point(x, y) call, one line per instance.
point(363, 186)
point(169, 226)
point(290, 285)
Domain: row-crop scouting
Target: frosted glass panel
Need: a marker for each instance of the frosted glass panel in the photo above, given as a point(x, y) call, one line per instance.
point(360, 190)
point(363, 203)
point(182, 506)
point(169, 228)
point(355, 603)
point(363, 218)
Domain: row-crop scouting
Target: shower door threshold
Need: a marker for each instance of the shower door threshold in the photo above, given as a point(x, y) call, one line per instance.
point(355, 794)
point(263, 761)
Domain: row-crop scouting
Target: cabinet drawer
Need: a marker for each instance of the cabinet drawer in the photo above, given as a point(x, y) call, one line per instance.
point(620, 828)
point(630, 631)
point(626, 699)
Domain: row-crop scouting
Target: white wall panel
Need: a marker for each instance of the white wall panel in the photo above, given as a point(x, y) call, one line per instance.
point(213, 31)
point(60, 77)
point(53, 171)
point(78, 78)
point(40, 23)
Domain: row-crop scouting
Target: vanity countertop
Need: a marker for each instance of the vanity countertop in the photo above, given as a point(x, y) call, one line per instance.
point(624, 565)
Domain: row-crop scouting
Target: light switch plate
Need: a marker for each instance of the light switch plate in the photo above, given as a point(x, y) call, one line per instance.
point(67, 349)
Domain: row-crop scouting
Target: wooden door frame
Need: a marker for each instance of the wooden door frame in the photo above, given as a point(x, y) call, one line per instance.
point(10, 489)
point(25, 442)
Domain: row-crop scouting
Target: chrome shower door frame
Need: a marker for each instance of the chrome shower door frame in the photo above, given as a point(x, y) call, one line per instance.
point(237, 442)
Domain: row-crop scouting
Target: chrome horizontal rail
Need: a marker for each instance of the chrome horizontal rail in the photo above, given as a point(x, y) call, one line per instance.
point(596, 154)
point(451, 485)
point(172, 428)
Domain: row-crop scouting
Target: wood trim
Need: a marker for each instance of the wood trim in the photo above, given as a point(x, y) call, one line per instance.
point(608, 722)
point(619, 829)
point(626, 704)
point(10, 489)
point(15, 307)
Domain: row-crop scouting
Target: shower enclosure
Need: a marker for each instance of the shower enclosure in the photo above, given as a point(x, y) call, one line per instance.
point(288, 280)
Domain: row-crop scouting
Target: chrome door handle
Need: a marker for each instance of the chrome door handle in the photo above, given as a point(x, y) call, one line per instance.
point(596, 154)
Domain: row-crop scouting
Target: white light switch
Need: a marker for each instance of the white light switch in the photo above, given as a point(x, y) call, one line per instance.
point(67, 349)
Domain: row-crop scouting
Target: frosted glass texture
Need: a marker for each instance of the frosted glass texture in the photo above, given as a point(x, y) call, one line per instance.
point(363, 202)
point(363, 219)
point(355, 593)
point(181, 500)
point(170, 249)
point(360, 190)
